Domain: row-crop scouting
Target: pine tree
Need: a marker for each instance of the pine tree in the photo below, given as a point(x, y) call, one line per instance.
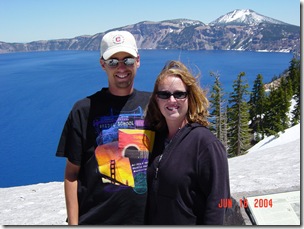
point(276, 118)
point(239, 132)
point(224, 135)
point(279, 100)
point(294, 75)
point(287, 94)
point(218, 113)
point(296, 113)
point(257, 104)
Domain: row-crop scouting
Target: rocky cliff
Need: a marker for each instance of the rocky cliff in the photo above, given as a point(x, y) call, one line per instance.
point(249, 31)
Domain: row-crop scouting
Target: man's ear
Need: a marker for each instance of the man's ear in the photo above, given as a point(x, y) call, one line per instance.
point(138, 61)
point(102, 63)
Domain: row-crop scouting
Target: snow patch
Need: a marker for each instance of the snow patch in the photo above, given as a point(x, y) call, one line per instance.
point(245, 16)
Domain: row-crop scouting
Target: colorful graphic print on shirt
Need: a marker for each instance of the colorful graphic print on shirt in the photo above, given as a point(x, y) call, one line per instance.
point(123, 149)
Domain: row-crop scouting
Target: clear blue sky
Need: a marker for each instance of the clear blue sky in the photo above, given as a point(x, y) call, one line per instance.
point(31, 20)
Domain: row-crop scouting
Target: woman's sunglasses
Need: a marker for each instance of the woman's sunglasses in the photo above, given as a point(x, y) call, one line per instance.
point(113, 63)
point(167, 94)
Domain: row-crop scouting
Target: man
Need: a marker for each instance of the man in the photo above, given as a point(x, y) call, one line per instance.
point(106, 144)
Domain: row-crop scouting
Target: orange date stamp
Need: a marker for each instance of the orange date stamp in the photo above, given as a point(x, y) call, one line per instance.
point(225, 203)
point(257, 203)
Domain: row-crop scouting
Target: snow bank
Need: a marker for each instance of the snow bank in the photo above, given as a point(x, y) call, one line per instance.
point(289, 135)
point(271, 165)
point(39, 204)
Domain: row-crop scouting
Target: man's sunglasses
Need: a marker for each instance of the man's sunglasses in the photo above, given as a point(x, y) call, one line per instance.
point(113, 63)
point(167, 94)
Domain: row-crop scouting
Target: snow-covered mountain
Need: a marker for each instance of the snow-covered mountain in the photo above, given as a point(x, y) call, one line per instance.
point(245, 17)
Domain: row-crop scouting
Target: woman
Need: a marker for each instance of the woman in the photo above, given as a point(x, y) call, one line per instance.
point(188, 170)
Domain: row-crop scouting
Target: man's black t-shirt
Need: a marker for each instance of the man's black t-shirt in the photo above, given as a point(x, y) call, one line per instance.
point(106, 136)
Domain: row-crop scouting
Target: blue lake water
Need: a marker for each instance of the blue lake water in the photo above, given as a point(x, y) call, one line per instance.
point(38, 90)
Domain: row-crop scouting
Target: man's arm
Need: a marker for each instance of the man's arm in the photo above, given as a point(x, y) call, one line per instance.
point(70, 189)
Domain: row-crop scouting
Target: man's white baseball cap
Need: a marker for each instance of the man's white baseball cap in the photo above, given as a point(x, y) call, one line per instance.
point(118, 41)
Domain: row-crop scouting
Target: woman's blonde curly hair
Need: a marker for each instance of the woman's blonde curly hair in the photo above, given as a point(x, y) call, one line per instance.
point(197, 99)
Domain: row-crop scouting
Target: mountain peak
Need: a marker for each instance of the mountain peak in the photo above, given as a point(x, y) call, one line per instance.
point(244, 17)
